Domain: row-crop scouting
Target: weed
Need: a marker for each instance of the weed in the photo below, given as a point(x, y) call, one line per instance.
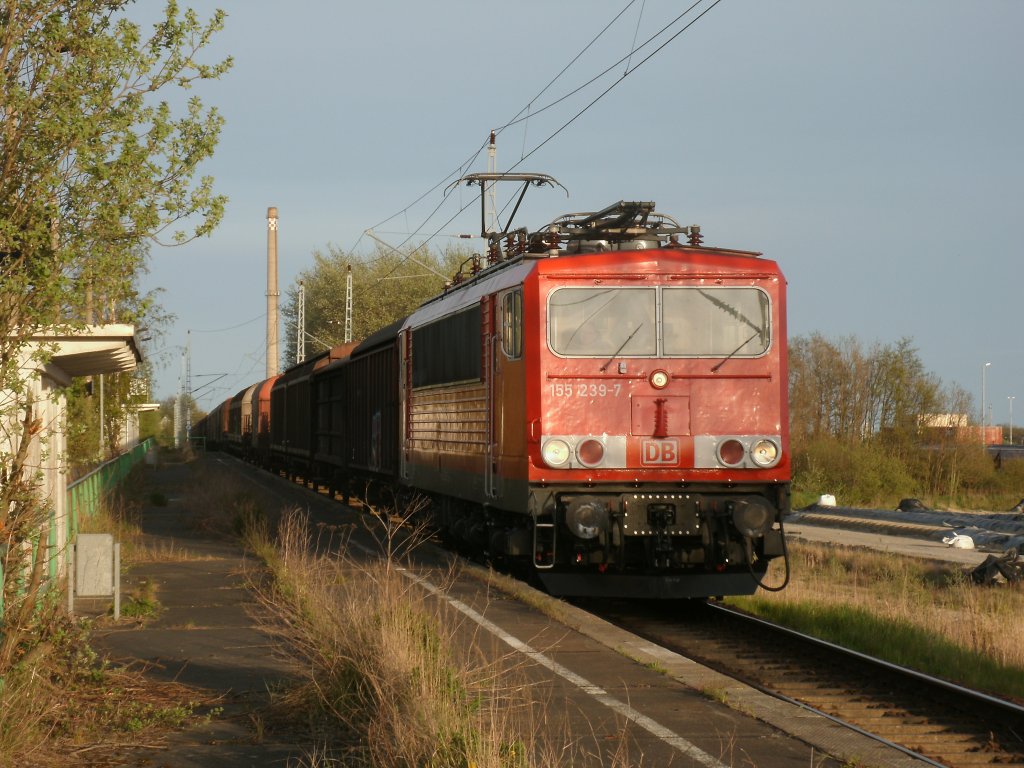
point(656, 667)
point(258, 727)
point(140, 716)
point(715, 694)
point(142, 603)
point(139, 608)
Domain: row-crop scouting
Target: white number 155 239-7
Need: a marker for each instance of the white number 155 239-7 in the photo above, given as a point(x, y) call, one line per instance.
point(584, 389)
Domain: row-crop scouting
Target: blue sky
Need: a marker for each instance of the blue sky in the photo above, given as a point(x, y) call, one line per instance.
point(874, 149)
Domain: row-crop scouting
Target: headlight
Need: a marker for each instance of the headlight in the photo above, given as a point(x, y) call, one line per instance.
point(590, 452)
point(659, 379)
point(555, 452)
point(752, 517)
point(764, 453)
point(586, 517)
point(730, 452)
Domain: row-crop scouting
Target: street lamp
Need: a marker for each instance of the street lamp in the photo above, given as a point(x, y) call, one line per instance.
point(984, 372)
point(1010, 398)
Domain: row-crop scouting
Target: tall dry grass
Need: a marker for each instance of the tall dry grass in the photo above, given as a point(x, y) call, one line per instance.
point(400, 674)
point(118, 513)
point(917, 613)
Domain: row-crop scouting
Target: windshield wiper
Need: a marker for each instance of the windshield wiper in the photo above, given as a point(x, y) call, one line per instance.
point(629, 338)
point(729, 309)
point(592, 315)
point(741, 346)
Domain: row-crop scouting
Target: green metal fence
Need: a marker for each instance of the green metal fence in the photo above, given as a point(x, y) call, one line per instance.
point(86, 494)
point(84, 497)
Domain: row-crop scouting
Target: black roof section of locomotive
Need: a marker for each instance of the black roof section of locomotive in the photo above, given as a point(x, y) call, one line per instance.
point(380, 337)
point(297, 368)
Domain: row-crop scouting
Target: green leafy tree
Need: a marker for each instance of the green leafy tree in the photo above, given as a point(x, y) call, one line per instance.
point(386, 285)
point(95, 164)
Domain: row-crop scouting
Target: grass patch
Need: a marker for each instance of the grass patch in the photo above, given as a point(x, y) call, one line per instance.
point(140, 607)
point(62, 700)
point(221, 503)
point(142, 602)
point(166, 551)
point(912, 612)
point(715, 694)
point(118, 514)
point(382, 670)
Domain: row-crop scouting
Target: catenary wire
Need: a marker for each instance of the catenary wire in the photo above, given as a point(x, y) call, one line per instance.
point(636, 32)
point(613, 65)
point(626, 74)
point(469, 161)
point(229, 328)
point(576, 116)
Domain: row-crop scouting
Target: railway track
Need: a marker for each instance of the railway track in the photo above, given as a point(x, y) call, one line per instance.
point(944, 723)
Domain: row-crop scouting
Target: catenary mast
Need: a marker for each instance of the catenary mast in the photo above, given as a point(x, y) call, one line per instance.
point(273, 356)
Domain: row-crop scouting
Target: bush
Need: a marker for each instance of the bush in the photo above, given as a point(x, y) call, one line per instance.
point(880, 471)
point(866, 473)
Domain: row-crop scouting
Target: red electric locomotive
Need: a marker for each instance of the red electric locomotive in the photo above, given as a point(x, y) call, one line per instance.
point(608, 404)
point(603, 402)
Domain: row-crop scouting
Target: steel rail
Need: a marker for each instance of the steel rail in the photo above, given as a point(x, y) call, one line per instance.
point(937, 682)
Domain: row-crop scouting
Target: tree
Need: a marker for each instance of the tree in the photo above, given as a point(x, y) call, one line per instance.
point(93, 167)
point(386, 286)
point(843, 390)
point(870, 421)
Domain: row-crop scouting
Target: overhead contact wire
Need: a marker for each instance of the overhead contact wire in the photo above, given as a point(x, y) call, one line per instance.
point(615, 64)
point(571, 120)
point(229, 328)
point(461, 169)
point(624, 75)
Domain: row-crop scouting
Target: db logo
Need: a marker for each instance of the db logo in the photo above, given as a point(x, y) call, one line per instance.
point(660, 452)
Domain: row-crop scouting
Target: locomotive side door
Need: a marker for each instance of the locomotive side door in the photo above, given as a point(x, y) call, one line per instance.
point(490, 373)
point(404, 397)
point(507, 395)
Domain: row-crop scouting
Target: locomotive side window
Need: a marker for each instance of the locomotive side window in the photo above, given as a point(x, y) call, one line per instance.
point(447, 350)
point(714, 322)
point(512, 324)
point(603, 321)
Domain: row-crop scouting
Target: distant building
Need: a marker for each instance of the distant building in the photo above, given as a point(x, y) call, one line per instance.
point(956, 426)
point(943, 421)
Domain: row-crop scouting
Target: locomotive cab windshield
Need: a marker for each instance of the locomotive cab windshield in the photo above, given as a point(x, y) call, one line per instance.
point(659, 322)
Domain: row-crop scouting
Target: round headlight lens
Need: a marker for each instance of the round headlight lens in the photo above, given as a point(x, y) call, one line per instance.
point(586, 517)
point(659, 379)
point(555, 452)
point(590, 452)
point(730, 452)
point(764, 453)
point(752, 517)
